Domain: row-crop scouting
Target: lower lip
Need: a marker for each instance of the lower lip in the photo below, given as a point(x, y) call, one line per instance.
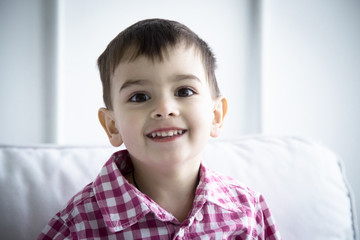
point(166, 139)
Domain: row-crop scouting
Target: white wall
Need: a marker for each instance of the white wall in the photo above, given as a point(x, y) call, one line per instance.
point(26, 81)
point(311, 75)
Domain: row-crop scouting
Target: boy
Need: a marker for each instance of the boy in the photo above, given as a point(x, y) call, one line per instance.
point(162, 101)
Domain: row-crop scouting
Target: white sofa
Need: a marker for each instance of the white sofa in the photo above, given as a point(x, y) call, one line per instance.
point(302, 181)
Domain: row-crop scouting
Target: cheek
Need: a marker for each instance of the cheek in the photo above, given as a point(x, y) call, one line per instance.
point(129, 125)
point(202, 115)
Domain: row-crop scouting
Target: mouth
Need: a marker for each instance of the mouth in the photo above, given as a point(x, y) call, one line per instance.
point(166, 134)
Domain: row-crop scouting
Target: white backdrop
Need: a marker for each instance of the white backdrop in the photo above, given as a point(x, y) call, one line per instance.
point(287, 67)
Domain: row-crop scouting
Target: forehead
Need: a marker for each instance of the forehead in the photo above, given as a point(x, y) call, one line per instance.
point(180, 59)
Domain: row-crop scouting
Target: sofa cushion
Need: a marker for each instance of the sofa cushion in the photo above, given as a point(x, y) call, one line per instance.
point(302, 181)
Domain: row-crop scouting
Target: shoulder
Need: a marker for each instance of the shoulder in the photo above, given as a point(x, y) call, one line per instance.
point(84, 209)
point(59, 226)
point(79, 200)
point(229, 182)
point(234, 196)
point(239, 194)
point(78, 204)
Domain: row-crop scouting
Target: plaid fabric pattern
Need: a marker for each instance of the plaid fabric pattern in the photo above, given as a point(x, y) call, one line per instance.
point(112, 208)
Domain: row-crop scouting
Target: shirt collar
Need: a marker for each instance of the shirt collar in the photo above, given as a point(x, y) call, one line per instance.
point(120, 203)
point(218, 189)
point(123, 205)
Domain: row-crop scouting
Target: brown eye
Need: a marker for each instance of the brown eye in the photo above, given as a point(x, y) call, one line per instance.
point(139, 97)
point(184, 92)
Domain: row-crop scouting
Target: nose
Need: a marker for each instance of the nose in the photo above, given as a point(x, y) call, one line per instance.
point(165, 108)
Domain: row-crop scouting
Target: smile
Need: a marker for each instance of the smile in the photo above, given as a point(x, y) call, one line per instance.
point(166, 134)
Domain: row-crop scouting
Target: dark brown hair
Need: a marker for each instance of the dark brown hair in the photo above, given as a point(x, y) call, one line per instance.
point(151, 38)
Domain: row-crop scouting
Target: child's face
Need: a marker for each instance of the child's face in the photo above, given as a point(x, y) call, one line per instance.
point(163, 111)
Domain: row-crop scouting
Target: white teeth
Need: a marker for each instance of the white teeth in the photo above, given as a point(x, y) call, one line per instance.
point(166, 134)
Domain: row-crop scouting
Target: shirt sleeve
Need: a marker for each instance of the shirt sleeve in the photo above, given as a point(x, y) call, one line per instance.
point(55, 229)
point(267, 228)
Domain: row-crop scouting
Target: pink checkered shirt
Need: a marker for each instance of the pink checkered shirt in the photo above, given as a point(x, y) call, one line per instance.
point(112, 208)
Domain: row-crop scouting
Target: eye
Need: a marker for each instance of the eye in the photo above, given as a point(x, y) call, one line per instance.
point(139, 97)
point(184, 92)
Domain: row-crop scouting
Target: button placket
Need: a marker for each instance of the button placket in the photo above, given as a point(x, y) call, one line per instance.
point(199, 216)
point(181, 233)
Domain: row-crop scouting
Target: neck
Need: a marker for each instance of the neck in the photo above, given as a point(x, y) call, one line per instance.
point(173, 189)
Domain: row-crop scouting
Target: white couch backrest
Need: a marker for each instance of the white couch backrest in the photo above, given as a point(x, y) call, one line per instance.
point(301, 180)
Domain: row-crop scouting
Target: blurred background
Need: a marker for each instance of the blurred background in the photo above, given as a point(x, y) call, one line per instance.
point(286, 67)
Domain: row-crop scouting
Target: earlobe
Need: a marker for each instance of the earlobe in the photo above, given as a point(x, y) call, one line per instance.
point(220, 110)
point(108, 123)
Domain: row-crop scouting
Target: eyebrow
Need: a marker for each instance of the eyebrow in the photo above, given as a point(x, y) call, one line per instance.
point(180, 77)
point(131, 82)
point(141, 82)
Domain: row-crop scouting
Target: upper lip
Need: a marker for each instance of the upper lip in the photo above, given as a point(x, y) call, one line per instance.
point(166, 132)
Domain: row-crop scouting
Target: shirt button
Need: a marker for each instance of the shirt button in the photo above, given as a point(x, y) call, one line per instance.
point(199, 216)
point(181, 232)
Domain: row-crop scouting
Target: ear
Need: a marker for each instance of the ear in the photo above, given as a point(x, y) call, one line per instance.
point(220, 109)
point(108, 123)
